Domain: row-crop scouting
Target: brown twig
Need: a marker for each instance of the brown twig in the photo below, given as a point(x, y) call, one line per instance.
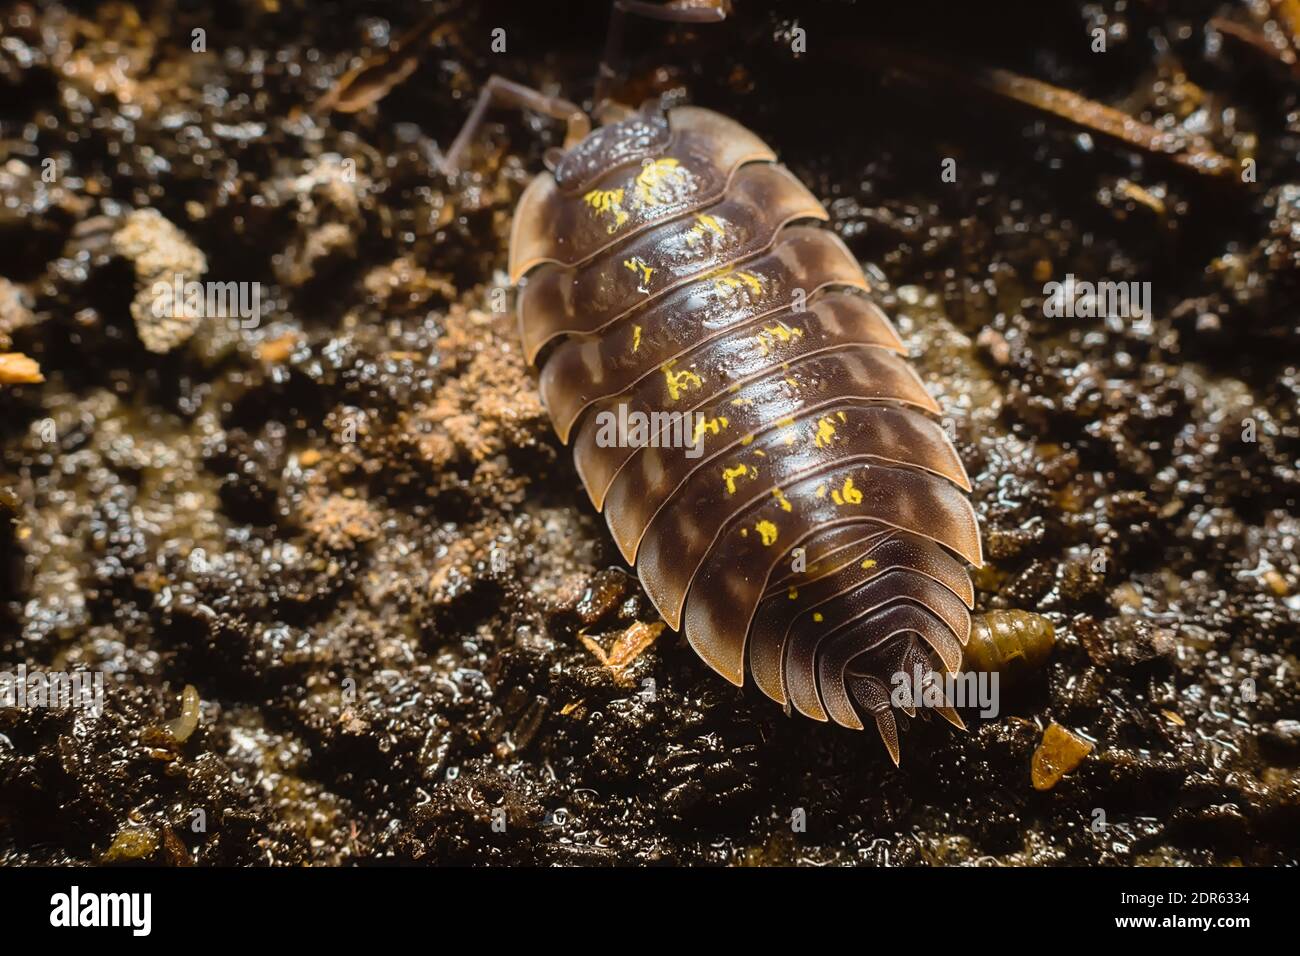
point(376, 76)
point(1188, 150)
point(1280, 53)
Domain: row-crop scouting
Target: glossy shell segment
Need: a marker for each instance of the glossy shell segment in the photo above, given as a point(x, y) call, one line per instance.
point(628, 177)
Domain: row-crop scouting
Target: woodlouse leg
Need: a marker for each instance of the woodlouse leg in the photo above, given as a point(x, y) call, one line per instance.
point(676, 11)
point(498, 91)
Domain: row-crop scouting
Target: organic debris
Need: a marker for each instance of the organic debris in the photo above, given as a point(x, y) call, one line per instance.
point(163, 257)
point(1059, 752)
point(17, 369)
point(627, 646)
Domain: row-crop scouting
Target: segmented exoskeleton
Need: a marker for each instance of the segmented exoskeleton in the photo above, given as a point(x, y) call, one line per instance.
point(669, 264)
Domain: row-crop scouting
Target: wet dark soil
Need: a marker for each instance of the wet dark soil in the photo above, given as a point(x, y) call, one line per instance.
point(352, 532)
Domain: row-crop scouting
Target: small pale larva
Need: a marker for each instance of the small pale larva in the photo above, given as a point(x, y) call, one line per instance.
point(1012, 643)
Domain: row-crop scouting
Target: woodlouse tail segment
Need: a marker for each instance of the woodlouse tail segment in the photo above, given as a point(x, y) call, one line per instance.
point(872, 697)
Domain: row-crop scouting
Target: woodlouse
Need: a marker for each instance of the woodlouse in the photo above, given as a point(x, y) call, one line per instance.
point(667, 263)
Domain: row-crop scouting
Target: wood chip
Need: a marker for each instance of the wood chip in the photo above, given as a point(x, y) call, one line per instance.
point(1188, 150)
point(627, 647)
point(17, 369)
point(1059, 752)
point(277, 350)
point(376, 76)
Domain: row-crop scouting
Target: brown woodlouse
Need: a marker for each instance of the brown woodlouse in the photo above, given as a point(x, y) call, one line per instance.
point(667, 263)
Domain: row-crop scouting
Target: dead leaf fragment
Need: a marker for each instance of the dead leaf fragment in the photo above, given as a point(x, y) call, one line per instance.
point(277, 350)
point(17, 369)
point(376, 76)
point(1059, 752)
point(627, 647)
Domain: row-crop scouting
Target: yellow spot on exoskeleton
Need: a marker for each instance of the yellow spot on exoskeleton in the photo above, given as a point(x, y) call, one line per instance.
point(781, 499)
point(780, 332)
point(848, 495)
point(760, 453)
point(704, 224)
point(825, 432)
point(728, 281)
point(636, 337)
point(869, 564)
point(817, 616)
point(637, 265)
point(711, 425)
point(842, 416)
point(821, 492)
point(658, 179)
point(679, 382)
point(607, 202)
point(744, 442)
point(767, 531)
point(740, 402)
point(793, 593)
point(729, 475)
point(787, 422)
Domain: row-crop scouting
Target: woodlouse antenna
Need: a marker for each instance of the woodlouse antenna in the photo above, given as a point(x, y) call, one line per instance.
point(676, 11)
point(500, 92)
